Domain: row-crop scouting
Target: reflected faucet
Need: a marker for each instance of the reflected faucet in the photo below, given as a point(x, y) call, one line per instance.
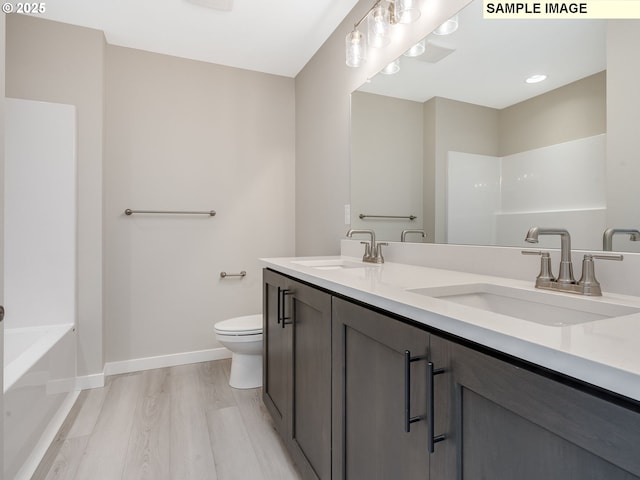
point(607, 236)
point(565, 275)
point(404, 233)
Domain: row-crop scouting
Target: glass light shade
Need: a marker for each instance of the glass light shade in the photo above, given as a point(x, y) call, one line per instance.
point(417, 50)
point(406, 11)
point(448, 27)
point(379, 26)
point(356, 49)
point(393, 67)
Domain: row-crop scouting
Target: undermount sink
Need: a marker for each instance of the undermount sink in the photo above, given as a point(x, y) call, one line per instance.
point(534, 306)
point(329, 264)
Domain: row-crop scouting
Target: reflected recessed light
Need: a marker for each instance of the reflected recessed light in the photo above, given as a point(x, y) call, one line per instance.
point(536, 78)
point(393, 67)
point(417, 50)
point(448, 27)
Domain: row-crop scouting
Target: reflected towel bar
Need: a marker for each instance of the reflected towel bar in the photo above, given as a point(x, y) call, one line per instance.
point(225, 274)
point(410, 217)
point(211, 213)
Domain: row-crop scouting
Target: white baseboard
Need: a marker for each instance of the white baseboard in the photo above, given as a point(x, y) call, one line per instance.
point(46, 439)
point(90, 381)
point(162, 361)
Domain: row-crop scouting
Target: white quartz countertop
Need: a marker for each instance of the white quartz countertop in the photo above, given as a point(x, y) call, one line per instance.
point(605, 352)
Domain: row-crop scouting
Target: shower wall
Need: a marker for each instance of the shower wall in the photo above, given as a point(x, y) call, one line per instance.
point(40, 214)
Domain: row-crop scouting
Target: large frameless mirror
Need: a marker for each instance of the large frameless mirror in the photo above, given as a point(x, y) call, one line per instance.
point(490, 129)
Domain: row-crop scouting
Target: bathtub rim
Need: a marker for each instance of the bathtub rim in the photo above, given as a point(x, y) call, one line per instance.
point(51, 335)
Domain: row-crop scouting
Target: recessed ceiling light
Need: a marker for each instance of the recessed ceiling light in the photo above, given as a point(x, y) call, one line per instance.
point(536, 78)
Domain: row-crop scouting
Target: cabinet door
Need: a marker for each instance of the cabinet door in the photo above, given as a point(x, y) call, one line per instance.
point(277, 356)
point(297, 370)
point(369, 403)
point(310, 326)
point(506, 422)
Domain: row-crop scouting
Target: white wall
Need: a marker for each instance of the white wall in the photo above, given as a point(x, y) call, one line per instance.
point(473, 198)
point(186, 135)
point(495, 200)
point(40, 213)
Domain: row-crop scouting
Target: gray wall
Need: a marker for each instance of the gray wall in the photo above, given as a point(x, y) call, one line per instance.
point(623, 121)
point(177, 135)
point(323, 91)
point(386, 163)
point(55, 62)
point(567, 113)
point(187, 135)
point(429, 170)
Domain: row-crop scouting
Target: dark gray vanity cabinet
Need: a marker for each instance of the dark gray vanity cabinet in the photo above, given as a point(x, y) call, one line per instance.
point(379, 396)
point(297, 370)
point(504, 422)
point(360, 394)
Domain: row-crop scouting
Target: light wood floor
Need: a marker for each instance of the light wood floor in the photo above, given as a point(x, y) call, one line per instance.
point(178, 423)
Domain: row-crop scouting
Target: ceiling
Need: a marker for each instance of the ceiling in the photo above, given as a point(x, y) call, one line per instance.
point(490, 59)
point(277, 37)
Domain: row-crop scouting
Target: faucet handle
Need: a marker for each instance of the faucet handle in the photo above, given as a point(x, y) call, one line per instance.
point(600, 256)
point(545, 274)
point(367, 251)
point(377, 253)
point(588, 283)
point(532, 252)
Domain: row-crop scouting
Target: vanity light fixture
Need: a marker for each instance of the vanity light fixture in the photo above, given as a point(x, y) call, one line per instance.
point(379, 26)
point(448, 27)
point(381, 16)
point(406, 11)
point(356, 48)
point(417, 50)
point(536, 78)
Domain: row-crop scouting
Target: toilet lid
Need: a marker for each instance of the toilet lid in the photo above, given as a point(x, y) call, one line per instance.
point(248, 325)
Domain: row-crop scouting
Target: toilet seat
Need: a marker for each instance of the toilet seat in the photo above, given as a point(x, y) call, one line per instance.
point(240, 326)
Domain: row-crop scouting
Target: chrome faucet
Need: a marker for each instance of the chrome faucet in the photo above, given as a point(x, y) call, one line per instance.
point(607, 236)
point(588, 284)
point(403, 235)
point(372, 250)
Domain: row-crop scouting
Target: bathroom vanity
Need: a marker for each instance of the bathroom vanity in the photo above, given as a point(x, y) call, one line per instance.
point(379, 371)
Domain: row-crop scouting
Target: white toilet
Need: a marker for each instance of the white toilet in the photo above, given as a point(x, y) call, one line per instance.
point(243, 336)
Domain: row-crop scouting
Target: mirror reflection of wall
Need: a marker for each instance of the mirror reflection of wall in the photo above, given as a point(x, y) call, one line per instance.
point(552, 136)
point(386, 152)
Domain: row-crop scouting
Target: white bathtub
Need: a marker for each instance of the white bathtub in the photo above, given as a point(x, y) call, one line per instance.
point(39, 390)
